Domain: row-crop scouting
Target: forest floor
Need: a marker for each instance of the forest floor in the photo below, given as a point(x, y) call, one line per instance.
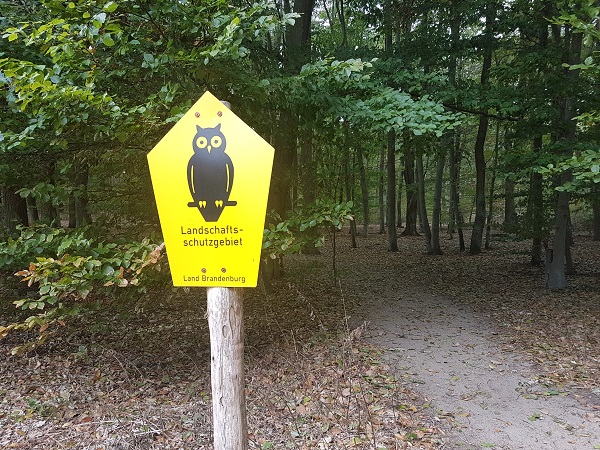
point(404, 350)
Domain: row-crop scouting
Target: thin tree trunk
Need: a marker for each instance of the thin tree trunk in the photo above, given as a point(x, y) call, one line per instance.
point(32, 210)
point(340, 10)
point(422, 205)
point(556, 275)
point(555, 259)
point(510, 212)
point(281, 184)
point(81, 201)
point(410, 228)
point(399, 202)
point(596, 212)
point(477, 234)
point(391, 192)
point(72, 212)
point(348, 179)
point(455, 162)
point(308, 184)
point(536, 208)
point(363, 189)
point(437, 205)
point(15, 209)
point(381, 190)
point(492, 187)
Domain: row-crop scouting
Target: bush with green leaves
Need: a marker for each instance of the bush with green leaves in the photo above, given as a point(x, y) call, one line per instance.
point(304, 227)
point(68, 270)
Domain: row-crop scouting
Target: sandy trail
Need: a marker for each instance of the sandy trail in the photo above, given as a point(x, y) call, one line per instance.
point(484, 392)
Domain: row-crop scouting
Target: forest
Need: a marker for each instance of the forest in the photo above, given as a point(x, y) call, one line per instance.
point(444, 128)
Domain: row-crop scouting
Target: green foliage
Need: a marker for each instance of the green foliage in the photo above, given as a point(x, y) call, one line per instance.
point(66, 267)
point(585, 170)
point(40, 241)
point(303, 227)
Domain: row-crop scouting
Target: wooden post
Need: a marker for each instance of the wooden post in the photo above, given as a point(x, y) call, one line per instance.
point(226, 323)
point(225, 311)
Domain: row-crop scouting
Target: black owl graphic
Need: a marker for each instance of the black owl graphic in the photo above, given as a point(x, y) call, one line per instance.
point(210, 173)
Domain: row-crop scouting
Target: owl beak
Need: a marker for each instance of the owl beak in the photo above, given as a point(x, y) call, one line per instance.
point(209, 148)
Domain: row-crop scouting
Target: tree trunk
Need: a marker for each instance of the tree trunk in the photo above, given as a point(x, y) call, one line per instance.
point(455, 161)
point(308, 185)
point(535, 208)
point(556, 275)
point(363, 189)
point(422, 205)
point(72, 212)
point(437, 205)
point(340, 10)
point(298, 36)
point(15, 209)
point(477, 235)
point(349, 182)
point(285, 143)
point(510, 212)
point(381, 190)
point(490, 215)
point(391, 191)
point(410, 228)
point(596, 224)
point(555, 268)
point(82, 215)
point(399, 201)
point(32, 210)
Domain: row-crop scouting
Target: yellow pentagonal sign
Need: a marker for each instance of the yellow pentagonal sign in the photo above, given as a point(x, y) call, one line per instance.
point(211, 174)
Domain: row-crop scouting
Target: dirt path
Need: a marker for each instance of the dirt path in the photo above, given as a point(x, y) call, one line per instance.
point(484, 392)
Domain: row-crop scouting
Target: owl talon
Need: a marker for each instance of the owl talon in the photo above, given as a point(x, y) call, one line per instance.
point(219, 203)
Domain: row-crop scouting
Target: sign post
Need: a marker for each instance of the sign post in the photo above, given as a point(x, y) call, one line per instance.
point(211, 174)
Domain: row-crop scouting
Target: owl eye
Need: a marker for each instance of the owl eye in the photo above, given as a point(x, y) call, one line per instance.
point(201, 142)
point(216, 141)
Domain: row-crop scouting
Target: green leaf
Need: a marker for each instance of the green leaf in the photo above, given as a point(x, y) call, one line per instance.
point(110, 7)
point(108, 40)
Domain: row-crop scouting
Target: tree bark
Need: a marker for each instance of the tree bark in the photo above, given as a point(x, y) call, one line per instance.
point(381, 190)
point(298, 36)
point(490, 215)
point(436, 218)
point(32, 211)
point(399, 201)
point(283, 161)
point(556, 275)
point(15, 209)
point(349, 182)
point(536, 208)
point(477, 234)
point(455, 162)
point(391, 192)
point(510, 212)
point(422, 205)
point(555, 268)
point(596, 224)
point(363, 189)
point(82, 216)
point(410, 228)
